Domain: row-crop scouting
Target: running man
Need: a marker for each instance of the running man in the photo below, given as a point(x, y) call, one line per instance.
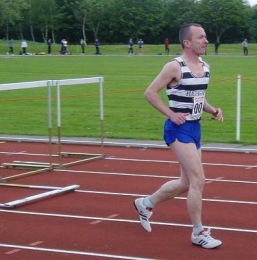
point(185, 79)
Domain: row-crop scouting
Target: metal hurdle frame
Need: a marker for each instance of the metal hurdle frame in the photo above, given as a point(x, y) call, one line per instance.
point(83, 156)
point(36, 168)
point(42, 167)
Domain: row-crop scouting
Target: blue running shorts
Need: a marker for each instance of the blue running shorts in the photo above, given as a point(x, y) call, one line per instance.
point(189, 132)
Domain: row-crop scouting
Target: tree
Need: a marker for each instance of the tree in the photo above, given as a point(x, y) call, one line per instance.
point(218, 16)
point(136, 18)
point(11, 11)
point(41, 17)
point(253, 23)
point(81, 14)
point(177, 13)
point(118, 20)
point(65, 21)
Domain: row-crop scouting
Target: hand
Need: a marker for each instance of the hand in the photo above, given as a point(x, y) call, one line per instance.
point(218, 114)
point(179, 118)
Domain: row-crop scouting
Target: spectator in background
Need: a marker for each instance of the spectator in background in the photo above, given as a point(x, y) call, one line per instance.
point(10, 45)
point(64, 47)
point(82, 44)
point(140, 46)
point(130, 46)
point(97, 47)
point(24, 46)
point(167, 46)
point(49, 46)
point(245, 46)
point(216, 46)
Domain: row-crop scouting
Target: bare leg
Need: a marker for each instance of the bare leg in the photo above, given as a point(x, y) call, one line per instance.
point(170, 189)
point(192, 180)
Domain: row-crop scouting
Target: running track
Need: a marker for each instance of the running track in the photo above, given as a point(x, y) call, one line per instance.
point(98, 220)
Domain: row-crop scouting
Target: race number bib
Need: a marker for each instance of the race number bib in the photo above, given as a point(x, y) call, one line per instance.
point(198, 106)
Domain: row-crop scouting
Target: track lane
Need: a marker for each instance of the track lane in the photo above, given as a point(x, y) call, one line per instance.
point(169, 240)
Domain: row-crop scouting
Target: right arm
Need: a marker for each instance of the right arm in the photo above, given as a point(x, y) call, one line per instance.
point(170, 74)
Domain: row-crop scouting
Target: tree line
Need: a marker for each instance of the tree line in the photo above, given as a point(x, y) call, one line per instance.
point(115, 21)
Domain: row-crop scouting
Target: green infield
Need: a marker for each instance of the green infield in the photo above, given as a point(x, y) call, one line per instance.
point(126, 113)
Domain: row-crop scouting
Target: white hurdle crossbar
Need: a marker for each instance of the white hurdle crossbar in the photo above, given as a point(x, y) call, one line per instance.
point(24, 85)
point(43, 195)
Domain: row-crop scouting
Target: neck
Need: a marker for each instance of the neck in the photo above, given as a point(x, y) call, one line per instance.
point(190, 58)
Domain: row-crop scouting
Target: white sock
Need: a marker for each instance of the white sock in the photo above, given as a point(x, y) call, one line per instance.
point(148, 202)
point(197, 230)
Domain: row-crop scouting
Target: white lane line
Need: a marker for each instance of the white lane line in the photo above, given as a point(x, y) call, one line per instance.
point(175, 162)
point(149, 175)
point(11, 252)
point(216, 179)
point(15, 153)
point(123, 220)
point(139, 160)
point(178, 198)
point(109, 256)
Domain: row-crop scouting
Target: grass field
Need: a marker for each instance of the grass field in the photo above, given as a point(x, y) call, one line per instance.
point(126, 113)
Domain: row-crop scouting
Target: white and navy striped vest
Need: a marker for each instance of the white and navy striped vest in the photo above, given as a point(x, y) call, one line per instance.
point(189, 94)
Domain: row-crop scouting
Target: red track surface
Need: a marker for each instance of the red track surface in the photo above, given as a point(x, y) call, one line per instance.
point(98, 220)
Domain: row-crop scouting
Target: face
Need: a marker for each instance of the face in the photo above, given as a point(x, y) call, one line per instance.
point(198, 43)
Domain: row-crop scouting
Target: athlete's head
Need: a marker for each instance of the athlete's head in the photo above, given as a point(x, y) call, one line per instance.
point(185, 32)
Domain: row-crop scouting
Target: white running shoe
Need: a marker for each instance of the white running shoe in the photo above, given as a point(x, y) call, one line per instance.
point(144, 214)
point(205, 240)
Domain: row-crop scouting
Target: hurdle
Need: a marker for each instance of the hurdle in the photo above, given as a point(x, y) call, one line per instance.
point(37, 167)
point(54, 192)
point(84, 157)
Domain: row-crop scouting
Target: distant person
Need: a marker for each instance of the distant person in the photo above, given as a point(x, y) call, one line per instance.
point(82, 45)
point(130, 47)
point(11, 46)
point(216, 47)
point(24, 47)
point(245, 47)
point(167, 46)
point(140, 45)
point(97, 47)
point(49, 46)
point(64, 46)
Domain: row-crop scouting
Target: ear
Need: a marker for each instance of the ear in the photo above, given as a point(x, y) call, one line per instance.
point(186, 43)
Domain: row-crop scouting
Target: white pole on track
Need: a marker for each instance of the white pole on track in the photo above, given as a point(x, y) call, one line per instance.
point(49, 106)
point(101, 113)
point(58, 96)
point(238, 115)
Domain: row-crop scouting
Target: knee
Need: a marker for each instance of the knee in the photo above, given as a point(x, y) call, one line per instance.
point(197, 179)
point(198, 182)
